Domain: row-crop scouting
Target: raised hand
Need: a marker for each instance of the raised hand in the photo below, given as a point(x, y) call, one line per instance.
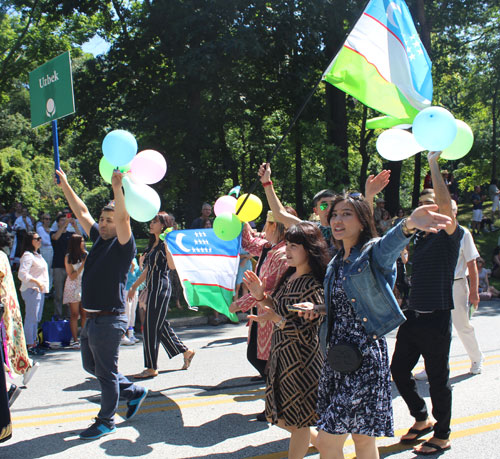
point(433, 155)
point(375, 184)
point(265, 172)
point(116, 179)
point(267, 315)
point(63, 180)
point(426, 218)
point(254, 284)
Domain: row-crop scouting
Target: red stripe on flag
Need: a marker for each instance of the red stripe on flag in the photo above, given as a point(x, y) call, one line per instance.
point(208, 285)
point(388, 30)
point(202, 255)
point(364, 57)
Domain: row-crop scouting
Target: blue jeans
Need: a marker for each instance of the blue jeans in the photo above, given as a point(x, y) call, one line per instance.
point(100, 342)
point(33, 300)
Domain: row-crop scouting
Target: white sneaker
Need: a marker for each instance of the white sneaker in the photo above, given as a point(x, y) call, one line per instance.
point(29, 373)
point(131, 336)
point(476, 368)
point(74, 344)
point(126, 341)
point(421, 376)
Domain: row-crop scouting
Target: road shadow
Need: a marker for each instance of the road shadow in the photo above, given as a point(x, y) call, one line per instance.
point(223, 387)
point(225, 342)
point(250, 451)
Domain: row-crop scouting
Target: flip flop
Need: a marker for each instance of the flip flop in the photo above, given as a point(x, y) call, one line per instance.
point(418, 432)
point(146, 374)
point(437, 449)
point(187, 361)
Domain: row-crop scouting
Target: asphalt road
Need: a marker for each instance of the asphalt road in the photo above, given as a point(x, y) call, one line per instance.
point(209, 410)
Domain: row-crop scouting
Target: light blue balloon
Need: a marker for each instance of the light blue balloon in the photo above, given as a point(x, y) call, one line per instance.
point(141, 201)
point(119, 147)
point(435, 128)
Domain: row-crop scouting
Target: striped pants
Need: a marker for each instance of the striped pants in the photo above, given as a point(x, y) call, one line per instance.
point(157, 330)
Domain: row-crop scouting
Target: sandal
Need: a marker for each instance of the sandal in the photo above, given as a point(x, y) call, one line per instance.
point(417, 432)
point(436, 449)
point(187, 360)
point(147, 373)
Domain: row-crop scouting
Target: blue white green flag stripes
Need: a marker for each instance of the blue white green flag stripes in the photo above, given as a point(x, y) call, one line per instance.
point(383, 62)
point(207, 267)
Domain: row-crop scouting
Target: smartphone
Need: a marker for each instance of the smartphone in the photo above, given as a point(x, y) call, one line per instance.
point(68, 216)
point(294, 307)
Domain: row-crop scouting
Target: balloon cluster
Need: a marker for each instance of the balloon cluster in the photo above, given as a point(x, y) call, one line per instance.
point(230, 213)
point(433, 129)
point(120, 152)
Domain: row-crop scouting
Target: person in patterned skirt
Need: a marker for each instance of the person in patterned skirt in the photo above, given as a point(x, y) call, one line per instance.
point(354, 395)
point(295, 360)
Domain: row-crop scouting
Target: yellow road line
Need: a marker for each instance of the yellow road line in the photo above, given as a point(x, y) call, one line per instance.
point(390, 448)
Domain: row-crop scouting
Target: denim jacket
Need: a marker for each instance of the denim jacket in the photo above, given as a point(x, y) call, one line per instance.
point(369, 276)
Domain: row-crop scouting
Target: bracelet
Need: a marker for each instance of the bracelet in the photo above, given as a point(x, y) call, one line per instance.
point(267, 183)
point(262, 299)
point(407, 232)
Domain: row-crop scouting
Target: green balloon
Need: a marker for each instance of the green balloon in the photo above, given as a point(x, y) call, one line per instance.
point(106, 169)
point(462, 144)
point(227, 226)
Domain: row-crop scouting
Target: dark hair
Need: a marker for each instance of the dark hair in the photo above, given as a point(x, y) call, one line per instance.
point(166, 222)
point(363, 212)
point(309, 236)
point(27, 245)
point(75, 251)
point(59, 216)
point(5, 238)
point(322, 194)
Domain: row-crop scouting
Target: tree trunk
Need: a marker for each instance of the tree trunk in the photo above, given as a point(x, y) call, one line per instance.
point(494, 132)
point(392, 189)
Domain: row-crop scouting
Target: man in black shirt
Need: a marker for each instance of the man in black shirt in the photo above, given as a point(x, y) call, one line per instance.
point(427, 330)
point(103, 286)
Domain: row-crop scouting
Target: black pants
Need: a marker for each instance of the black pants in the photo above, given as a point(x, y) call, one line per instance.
point(429, 336)
point(258, 364)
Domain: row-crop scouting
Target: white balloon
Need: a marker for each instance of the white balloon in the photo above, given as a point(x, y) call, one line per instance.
point(397, 144)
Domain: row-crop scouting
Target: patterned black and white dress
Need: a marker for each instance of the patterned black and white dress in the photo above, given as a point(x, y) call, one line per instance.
point(295, 361)
point(359, 402)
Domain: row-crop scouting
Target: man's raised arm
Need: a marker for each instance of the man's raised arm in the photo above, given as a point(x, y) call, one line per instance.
point(77, 205)
point(121, 218)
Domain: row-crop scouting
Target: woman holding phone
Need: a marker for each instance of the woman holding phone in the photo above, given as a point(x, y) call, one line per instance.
point(354, 394)
point(295, 361)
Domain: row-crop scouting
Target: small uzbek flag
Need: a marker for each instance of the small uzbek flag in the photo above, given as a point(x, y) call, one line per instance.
point(383, 63)
point(207, 267)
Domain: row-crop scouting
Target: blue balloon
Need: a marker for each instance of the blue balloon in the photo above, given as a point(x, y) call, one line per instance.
point(119, 147)
point(435, 128)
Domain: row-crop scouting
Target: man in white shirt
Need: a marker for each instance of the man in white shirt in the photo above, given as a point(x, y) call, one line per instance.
point(462, 296)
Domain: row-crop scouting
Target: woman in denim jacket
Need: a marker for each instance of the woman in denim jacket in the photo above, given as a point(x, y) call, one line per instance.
point(360, 310)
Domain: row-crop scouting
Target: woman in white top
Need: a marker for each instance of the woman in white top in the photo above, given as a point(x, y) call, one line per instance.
point(47, 251)
point(34, 276)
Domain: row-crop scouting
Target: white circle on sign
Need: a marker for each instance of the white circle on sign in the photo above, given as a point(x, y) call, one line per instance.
point(51, 107)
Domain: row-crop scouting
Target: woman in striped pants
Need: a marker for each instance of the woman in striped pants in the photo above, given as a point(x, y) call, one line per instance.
point(157, 264)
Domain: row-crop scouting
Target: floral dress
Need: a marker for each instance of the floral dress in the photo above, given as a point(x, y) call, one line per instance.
point(14, 342)
point(358, 402)
point(73, 287)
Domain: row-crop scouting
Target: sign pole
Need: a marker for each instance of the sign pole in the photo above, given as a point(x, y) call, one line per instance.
point(55, 140)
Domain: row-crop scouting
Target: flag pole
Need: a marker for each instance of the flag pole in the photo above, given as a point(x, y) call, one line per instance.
point(301, 109)
point(55, 141)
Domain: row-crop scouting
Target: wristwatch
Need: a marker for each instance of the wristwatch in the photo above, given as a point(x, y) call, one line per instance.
point(280, 323)
point(406, 231)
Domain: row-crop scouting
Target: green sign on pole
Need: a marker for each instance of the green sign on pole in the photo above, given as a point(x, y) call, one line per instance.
point(51, 91)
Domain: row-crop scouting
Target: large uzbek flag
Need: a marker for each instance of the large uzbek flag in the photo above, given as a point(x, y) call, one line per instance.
point(207, 267)
point(383, 63)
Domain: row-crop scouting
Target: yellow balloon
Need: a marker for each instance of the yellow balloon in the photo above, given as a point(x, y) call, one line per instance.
point(251, 210)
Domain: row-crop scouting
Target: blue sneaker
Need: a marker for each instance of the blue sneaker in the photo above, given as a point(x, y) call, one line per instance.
point(134, 404)
point(97, 430)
